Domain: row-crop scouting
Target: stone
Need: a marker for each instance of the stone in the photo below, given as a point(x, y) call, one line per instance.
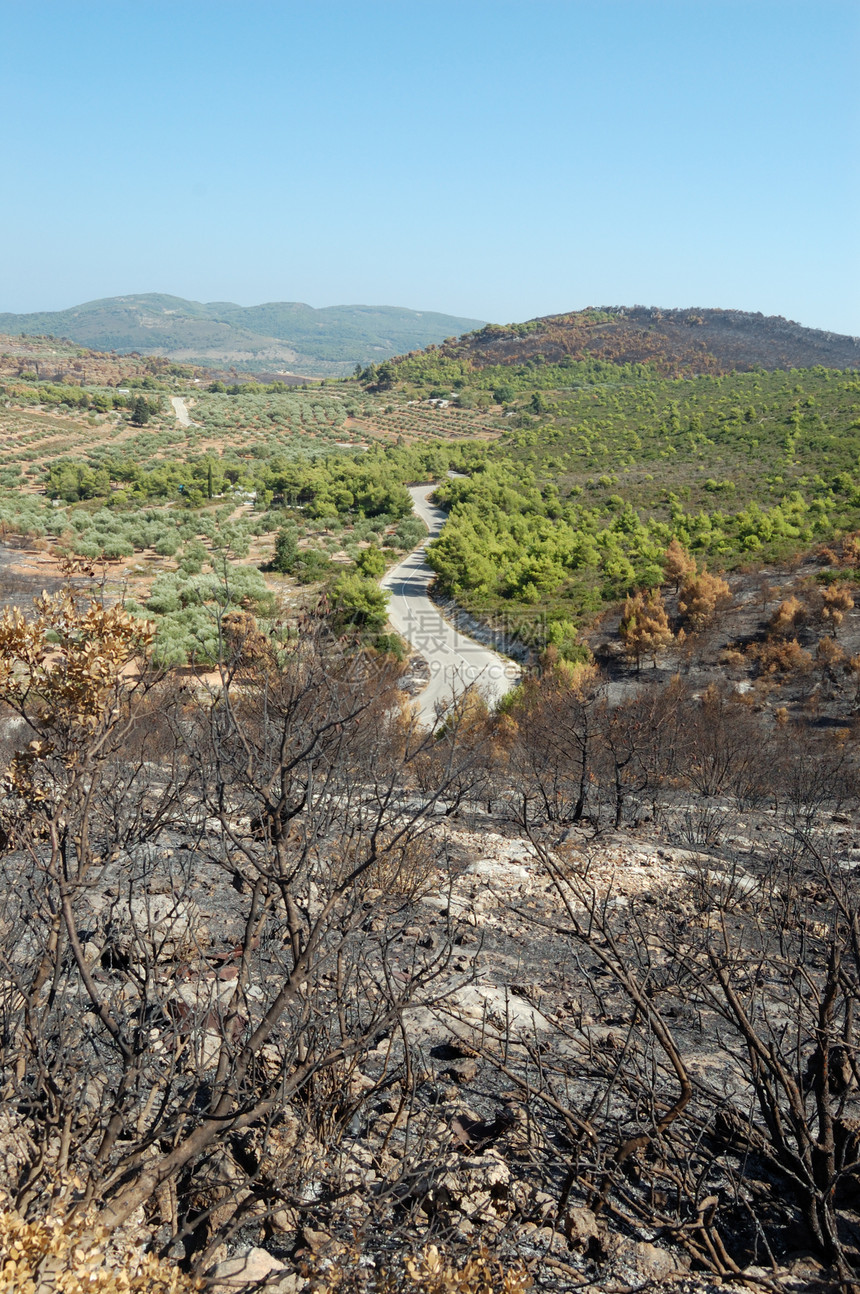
point(292, 1284)
point(550, 1240)
point(246, 1268)
point(498, 869)
point(476, 1186)
point(316, 1241)
point(580, 1227)
point(158, 924)
point(647, 1261)
point(463, 1071)
point(806, 1266)
point(285, 1219)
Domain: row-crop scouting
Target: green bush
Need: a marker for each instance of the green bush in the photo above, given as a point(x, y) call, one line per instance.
point(360, 605)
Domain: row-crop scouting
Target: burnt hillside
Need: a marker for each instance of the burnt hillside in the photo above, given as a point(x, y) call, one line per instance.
point(676, 342)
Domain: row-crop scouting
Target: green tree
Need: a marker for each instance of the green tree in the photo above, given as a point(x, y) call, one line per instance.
point(371, 562)
point(286, 550)
point(359, 604)
point(140, 411)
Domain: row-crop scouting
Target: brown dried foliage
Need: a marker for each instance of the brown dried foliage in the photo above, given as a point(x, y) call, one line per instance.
point(644, 627)
point(701, 597)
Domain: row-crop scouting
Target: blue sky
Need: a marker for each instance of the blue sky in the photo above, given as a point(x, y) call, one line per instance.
point(497, 160)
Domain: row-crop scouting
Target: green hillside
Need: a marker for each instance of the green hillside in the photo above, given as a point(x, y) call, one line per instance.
point(574, 507)
point(578, 472)
point(280, 336)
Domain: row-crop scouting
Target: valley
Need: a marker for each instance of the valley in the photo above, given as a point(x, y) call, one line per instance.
point(370, 978)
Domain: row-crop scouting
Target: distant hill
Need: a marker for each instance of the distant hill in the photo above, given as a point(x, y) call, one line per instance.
point(281, 336)
point(676, 343)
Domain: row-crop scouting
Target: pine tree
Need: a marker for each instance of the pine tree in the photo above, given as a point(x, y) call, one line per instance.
point(678, 564)
point(286, 551)
point(644, 627)
point(701, 597)
point(140, 412)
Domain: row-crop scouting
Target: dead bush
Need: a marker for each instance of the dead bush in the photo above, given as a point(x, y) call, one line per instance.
point(145, 1054)
point(430, 1272)
point(732, 658)
point(836, 600)
point(781, 657)
point(788, 617)
point(701, 597)
point(678, 564)
point(851, 549)
point(721, 1108)
point(644, 627)
point(403, 869)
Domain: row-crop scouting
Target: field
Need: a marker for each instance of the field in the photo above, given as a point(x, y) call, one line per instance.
point(180, 523)
point(577, 477)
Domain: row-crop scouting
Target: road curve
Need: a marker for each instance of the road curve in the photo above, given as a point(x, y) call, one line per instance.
point(455, 660)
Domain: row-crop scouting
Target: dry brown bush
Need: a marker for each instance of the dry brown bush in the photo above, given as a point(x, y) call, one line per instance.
point(835, 601)
point(787, 618)
point(403, 868)
point(644, 626)
point(678, 564)
point(785, 657)
point(830, 659)
point(733, 658)
point(72, 1254)
point(701, 597)
point(430, 1272)
point(851, 550)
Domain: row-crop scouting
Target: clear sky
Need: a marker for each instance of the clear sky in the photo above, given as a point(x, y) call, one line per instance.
point(498, 159)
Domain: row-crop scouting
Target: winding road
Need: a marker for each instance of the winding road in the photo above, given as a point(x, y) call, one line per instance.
point(455, 660)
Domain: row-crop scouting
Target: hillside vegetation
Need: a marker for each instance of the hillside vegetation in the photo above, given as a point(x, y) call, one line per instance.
point(559, 995)
point(563, 350)
point(279, 336)
point(578, 474)
point(575, 506)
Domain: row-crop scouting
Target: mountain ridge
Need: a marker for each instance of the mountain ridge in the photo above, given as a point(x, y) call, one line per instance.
point(289, 335)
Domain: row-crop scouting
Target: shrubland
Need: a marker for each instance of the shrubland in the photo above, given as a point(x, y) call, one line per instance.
point(595, 469)
point(562, 995)
point(574, 511)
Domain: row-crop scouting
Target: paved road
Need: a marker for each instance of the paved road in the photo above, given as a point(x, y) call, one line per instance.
point(455, 660)
point(180, 408)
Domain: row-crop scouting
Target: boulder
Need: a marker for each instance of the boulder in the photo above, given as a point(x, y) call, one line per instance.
point(499, 869)
point(156, 927)
point(580, 1227)
point(647, 1262)
point(243, 1270)
point(475, 1186)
